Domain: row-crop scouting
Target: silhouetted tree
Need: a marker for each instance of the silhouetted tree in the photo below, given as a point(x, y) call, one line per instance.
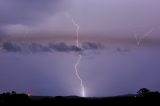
point(13, 93)
point(143, 92)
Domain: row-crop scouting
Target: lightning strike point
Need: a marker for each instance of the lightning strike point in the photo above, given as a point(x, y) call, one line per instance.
point(80, 56)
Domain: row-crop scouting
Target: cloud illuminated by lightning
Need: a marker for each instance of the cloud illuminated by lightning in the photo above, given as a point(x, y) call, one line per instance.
point(139, 39)
point(80, 56)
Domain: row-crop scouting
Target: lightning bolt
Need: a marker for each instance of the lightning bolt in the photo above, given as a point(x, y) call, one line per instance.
point(79, 56)
point(139, 39)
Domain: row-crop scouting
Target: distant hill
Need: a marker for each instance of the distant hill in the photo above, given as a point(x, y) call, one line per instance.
point(143, 97)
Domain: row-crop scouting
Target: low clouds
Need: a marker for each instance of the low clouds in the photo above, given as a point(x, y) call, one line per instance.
point(91, 46)
point(10, 47)
point(62, 47)
point(50, 47)
point(59, 47)
point(38, 48)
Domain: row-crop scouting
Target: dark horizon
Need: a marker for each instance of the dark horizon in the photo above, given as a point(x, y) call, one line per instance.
point(143, 97)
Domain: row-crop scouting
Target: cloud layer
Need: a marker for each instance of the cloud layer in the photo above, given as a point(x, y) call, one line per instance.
point(50, 47)
point(27, 11)
point(104, 16)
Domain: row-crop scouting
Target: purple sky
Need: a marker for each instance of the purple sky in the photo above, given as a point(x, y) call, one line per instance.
point(119, 39)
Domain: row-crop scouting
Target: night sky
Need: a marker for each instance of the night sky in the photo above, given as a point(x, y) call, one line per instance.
point(119, 41)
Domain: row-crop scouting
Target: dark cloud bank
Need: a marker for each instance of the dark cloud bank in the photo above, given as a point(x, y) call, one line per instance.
point(50, 47)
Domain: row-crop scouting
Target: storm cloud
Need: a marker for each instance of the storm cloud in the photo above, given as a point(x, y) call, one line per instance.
point(38, 48)
point(10, 47)
point(91, 45)
point(109, 17)
point(49, 47)
point(27, 11)
point(62, 47)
